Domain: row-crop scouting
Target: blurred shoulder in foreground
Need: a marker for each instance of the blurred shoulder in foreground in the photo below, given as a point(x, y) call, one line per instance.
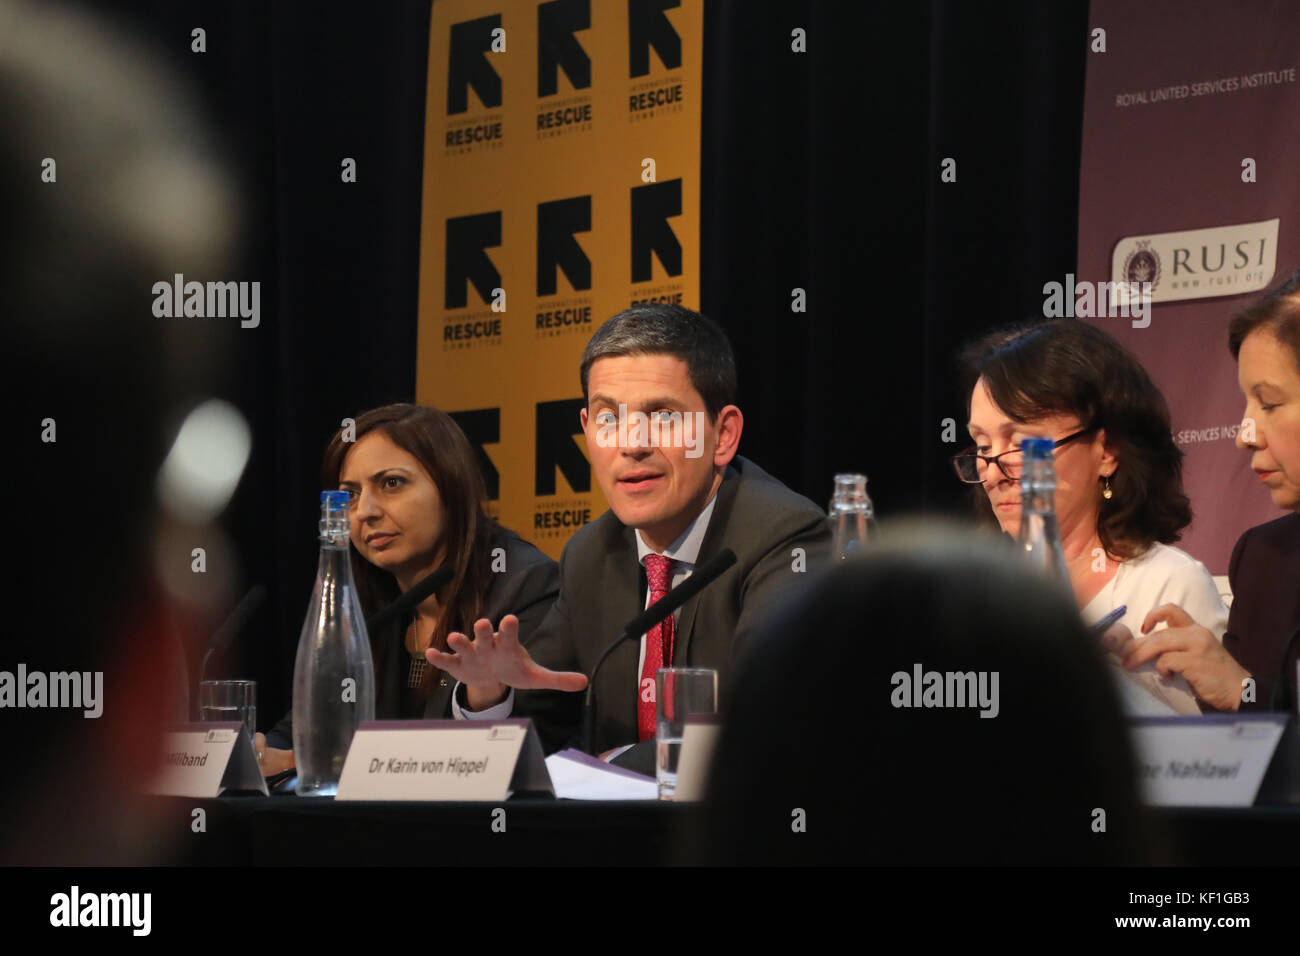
point(107, 188)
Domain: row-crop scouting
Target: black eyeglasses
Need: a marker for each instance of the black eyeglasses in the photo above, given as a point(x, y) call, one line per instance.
point(972, 466)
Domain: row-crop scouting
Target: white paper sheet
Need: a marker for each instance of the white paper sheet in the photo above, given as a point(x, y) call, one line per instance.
point(577, 776)
point(1143, 693)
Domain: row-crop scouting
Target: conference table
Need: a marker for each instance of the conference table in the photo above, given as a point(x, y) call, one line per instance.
point(282, 829)
point(285, 830)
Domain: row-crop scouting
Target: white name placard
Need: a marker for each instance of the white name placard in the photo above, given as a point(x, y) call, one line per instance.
point(443, 760)
point(698, 740)
point(207, 759)
point(1215, 760)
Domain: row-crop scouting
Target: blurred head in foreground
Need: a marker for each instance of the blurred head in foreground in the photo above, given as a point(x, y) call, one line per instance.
point(1009, 748)
point(104, 193)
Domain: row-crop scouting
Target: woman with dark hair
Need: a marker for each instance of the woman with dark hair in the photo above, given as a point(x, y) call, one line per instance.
point(1119, 494)
point(417, 503)
point(1255, 667)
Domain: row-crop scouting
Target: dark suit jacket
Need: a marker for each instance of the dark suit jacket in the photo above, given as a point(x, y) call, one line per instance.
point(527, 588)
point(603, 586)
point(1265, 612)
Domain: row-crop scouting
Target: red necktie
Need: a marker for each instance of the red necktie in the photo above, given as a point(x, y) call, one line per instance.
point(658, 640)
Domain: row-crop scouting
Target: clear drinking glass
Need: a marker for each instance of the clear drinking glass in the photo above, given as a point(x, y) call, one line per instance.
point(680, 692)
point(230, 700)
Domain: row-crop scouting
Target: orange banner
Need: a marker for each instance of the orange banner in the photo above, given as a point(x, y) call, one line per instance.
point(561, 184)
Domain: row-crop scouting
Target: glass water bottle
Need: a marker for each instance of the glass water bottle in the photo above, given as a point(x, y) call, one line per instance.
point(851, 515)
point(334, 674)
point(1040, 537)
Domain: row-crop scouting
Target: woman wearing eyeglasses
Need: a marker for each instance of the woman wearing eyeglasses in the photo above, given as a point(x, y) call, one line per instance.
point(1119, 495)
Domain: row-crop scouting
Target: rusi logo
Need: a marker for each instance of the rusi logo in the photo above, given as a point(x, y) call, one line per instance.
point(102, 909)
point(1199, 263)
point(946, 689)
point(217, 300)
point(664, 429)
point(82, 689)
point(1087, 300)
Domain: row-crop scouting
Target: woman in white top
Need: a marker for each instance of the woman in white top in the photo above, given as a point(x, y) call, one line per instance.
point(1119, 497)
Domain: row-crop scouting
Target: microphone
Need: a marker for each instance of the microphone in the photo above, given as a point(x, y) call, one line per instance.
point(700, 578)
point(417, 593)
point(232, 625)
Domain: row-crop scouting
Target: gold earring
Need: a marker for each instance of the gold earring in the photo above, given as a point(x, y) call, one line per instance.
point(1105, 488)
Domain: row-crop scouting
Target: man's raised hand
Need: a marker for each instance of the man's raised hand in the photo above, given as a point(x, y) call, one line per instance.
point(490, 662)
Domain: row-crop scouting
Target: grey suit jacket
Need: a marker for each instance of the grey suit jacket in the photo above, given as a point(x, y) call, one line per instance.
point(527, 589)
point(774, 532)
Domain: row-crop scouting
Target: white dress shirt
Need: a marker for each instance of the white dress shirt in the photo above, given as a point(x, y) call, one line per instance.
point(1163, 575)
point(684, 552)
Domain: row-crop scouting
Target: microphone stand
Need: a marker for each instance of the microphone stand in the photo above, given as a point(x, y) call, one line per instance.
point(703, 576)
point(588, 738)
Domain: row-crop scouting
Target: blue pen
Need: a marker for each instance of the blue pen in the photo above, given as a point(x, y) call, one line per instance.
point(1102, 626)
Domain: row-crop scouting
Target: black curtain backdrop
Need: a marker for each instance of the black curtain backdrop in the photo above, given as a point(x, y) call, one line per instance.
point(821, 171)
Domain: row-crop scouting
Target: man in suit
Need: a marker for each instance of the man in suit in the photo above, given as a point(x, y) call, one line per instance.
point(662, 432)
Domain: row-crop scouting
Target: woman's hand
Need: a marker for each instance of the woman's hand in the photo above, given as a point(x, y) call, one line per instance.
point(1186, 648)
point(491, 662)
point(1118, 642)
point(270, 759)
